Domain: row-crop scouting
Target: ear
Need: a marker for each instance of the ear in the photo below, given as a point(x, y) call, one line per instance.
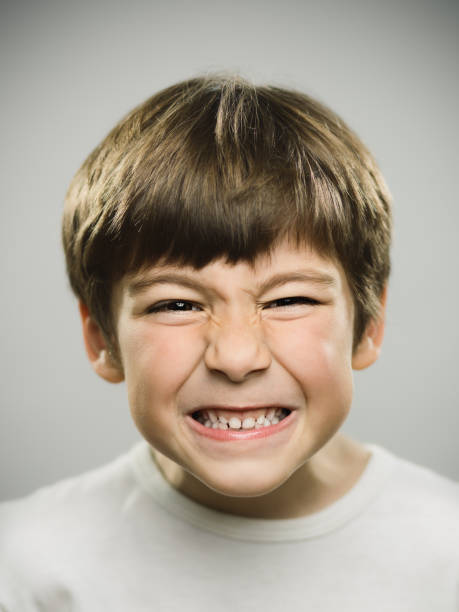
point(97, 350)
point(369, 347)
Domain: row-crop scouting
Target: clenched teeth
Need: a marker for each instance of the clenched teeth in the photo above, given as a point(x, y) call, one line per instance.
point(209, 418)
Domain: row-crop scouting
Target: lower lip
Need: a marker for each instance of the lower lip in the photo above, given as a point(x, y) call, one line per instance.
point(229, 435)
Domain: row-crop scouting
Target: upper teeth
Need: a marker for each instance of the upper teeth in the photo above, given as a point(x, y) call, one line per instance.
point(272, 417)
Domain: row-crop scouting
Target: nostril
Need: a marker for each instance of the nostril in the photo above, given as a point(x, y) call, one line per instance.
point(236, 352)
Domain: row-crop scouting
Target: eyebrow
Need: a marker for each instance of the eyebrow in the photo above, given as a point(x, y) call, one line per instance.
point(317, 278)
point(165, 278)
point(178, 278)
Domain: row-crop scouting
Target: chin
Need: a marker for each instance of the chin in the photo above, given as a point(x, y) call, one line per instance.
point(244, 484)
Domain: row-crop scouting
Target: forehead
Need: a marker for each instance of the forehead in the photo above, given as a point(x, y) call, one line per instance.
point(284, 263)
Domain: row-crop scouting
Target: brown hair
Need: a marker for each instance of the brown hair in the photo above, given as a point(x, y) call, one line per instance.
point(216, 167)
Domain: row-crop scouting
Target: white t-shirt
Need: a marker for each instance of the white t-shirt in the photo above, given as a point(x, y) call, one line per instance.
point(121, 539)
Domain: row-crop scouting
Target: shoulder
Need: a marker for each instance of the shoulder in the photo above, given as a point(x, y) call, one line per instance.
point(419, 505)
point(421, 485)
point(68, 500)
point(39, 533)
point(69, 495)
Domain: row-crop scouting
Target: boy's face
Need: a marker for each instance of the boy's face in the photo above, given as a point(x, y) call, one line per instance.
point(278, 334)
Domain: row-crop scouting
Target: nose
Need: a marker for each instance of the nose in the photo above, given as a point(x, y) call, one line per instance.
point(237, 349)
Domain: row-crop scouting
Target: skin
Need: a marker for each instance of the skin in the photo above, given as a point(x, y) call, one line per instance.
point(234, 339)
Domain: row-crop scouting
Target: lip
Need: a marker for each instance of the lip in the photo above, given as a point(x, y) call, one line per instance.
point(240, 408)
point(245, 408)
point(230, 435)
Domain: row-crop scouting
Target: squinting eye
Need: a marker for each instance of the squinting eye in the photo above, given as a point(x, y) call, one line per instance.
point(173, 306)
point(290, 301)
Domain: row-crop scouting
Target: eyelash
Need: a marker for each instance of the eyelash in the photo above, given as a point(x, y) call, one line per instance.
point(164, 306)
point(291, 301)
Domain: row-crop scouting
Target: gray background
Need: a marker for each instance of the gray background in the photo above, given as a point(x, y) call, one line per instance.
point(71, 69)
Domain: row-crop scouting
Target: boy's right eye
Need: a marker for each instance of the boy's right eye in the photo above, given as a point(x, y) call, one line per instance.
point(173, 306)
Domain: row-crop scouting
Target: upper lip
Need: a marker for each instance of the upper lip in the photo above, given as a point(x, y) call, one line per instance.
point(245, 408)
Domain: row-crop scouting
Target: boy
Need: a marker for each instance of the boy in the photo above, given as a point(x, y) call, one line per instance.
point(229, 247)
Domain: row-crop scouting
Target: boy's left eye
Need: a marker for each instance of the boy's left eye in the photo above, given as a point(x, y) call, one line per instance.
point(290, 301)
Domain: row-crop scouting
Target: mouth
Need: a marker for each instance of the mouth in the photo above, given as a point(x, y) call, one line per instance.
point(240, 418)
point(235, 423)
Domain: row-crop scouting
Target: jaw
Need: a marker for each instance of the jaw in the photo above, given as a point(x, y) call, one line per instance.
point(246, 490)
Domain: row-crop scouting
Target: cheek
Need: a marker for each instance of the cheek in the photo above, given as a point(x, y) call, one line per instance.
point(156, 363)
point(318, 355)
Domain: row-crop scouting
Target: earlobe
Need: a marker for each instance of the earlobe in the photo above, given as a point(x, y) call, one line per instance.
point(97, 350)
point(369, 347)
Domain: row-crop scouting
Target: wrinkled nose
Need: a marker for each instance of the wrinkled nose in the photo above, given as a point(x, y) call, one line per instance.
point(237, 350)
